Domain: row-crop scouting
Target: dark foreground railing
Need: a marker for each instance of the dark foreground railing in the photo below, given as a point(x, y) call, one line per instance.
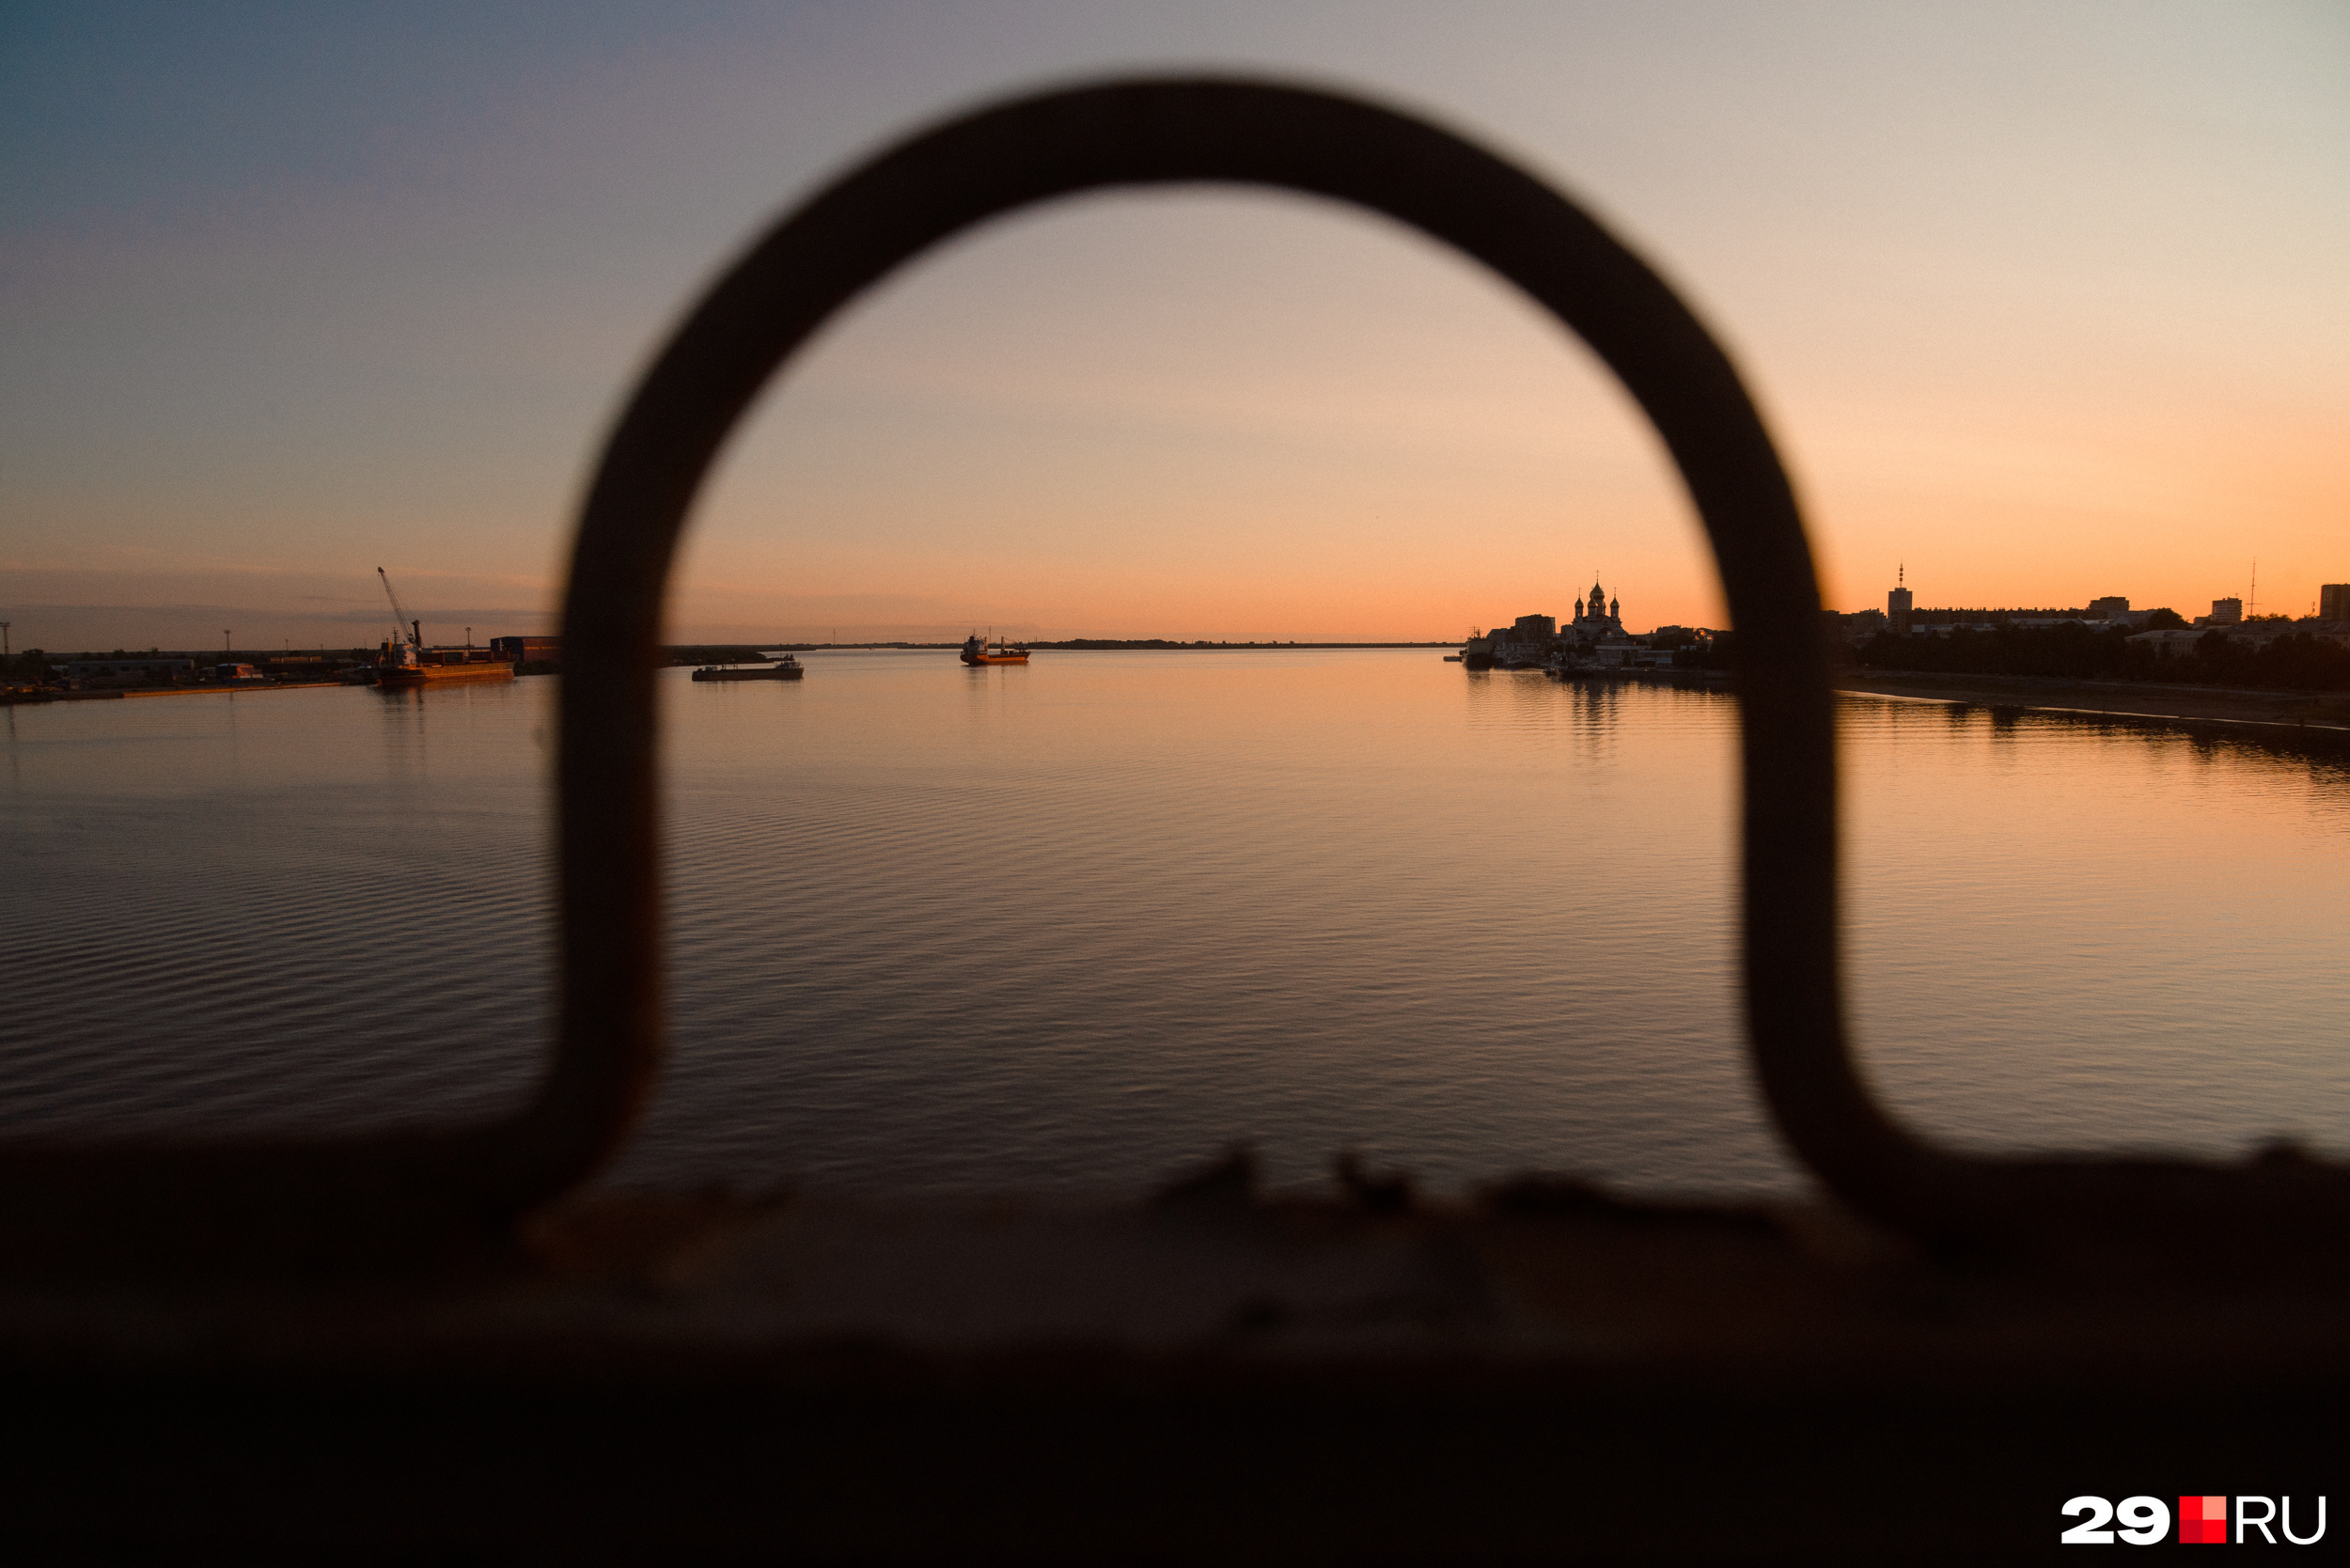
point(415, 1200)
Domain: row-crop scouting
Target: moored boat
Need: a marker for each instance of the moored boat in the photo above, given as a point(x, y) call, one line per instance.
point(977, 652)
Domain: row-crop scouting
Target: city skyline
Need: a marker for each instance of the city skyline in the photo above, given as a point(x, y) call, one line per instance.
point(359, 626)
point(2043, 305)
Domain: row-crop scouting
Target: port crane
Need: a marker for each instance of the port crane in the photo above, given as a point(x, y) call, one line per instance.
point(410, 631)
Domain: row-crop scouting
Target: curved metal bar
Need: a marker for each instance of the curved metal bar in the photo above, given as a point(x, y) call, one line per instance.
point(1164, 132)
point(1158, 132)
point(397, 1199)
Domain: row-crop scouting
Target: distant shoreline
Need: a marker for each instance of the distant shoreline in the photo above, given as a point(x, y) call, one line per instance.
point(2121, 699)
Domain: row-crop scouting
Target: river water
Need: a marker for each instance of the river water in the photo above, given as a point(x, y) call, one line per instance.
point(1081, 924)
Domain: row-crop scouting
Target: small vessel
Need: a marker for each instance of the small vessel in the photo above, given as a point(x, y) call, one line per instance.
point(785, 668)
point(977, 652)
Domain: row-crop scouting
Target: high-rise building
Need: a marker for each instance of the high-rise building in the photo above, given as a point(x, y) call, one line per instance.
point(1898, 603)
point(2333, 601)
point(2227, 612)
point(2112, 608)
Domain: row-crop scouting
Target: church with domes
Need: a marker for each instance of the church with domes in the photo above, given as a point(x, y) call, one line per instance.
point(1596, 618)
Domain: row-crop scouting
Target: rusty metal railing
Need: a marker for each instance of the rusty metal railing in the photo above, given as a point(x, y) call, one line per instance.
point(414, 1197)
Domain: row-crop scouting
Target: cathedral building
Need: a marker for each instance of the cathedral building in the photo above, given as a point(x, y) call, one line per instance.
point(1596, 618)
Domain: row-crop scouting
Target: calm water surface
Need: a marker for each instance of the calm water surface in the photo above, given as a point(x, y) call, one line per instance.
point(1083, 923)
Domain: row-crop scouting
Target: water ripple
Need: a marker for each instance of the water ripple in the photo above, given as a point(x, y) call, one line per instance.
point(1081, 923)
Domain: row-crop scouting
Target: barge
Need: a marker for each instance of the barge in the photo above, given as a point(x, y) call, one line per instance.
point(785, 668)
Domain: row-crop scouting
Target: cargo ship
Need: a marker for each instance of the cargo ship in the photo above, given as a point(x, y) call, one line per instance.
point(403, 664)
point(977, 652)
point(785, 668)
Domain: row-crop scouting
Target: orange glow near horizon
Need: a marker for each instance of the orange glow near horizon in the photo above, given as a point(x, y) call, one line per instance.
point(1426, 454)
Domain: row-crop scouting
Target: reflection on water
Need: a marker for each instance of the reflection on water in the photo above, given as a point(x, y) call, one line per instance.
point(2095, 933)
point(1588, 711)
point(1082, 922)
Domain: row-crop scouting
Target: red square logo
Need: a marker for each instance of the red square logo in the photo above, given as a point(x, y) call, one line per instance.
point(2202, 1520)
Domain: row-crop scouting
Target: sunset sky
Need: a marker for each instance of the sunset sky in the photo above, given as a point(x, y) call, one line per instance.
point(2043, 302)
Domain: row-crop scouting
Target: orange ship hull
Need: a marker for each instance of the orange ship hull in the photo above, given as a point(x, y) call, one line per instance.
point(976, 649)
point(399, 678)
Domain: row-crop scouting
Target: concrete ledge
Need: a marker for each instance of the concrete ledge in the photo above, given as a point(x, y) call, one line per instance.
point(1551, 1373)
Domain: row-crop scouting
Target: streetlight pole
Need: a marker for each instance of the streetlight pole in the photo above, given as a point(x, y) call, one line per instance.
point(224, 642)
